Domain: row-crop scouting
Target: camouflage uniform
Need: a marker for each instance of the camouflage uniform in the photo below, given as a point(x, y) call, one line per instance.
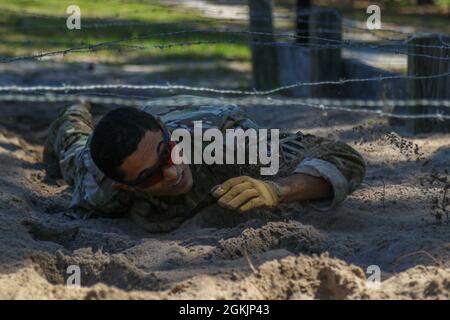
point(69, 138)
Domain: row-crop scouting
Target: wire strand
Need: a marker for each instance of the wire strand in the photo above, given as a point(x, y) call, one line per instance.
point(63, 88)
point(140, 102)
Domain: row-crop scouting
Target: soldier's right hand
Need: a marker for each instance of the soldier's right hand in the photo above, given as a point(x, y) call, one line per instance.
point(244, 194)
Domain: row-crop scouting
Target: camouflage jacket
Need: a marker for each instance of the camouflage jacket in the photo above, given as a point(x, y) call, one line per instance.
point(334, 161)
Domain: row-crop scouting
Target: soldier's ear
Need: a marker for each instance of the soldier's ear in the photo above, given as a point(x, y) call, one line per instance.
point(160, 122)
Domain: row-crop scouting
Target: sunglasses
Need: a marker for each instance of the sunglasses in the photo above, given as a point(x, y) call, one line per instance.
point(154, 174)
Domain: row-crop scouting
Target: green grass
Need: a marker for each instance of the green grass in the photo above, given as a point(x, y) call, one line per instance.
point(28, 27)
point(34, 26)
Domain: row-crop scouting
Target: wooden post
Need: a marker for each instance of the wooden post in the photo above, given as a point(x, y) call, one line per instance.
point(303, 21)
point(326, 64)
point(420, 64)
point(425, 2)
point(264, 57)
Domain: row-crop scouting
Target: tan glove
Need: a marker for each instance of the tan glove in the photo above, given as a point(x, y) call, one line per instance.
point(245, 193)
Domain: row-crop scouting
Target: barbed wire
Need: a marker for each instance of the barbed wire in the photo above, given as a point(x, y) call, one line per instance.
point(256, 97)
point(259, 33)
point(112, 46)
point(130, 102)
point(350, 25)
point(267, 101)
point(171, 87)
point(385, 103)
point(381, 113)
point(111, 22)
point(305, 47)
point(94, 47)
point(114, 24)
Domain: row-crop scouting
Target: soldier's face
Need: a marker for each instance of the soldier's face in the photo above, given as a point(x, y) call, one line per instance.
point(173, 179)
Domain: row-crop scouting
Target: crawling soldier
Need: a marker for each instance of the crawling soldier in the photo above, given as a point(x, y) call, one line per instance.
point(124, 166)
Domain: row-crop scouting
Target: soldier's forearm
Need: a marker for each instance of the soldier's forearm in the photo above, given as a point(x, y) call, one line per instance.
point(302, 187)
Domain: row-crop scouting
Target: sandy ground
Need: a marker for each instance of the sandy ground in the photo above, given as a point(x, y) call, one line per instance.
point(397, 221)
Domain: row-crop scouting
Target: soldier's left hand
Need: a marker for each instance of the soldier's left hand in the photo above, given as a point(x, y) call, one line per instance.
point(245, 193)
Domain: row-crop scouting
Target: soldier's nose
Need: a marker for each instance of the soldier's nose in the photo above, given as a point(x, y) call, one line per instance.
point(170, 173)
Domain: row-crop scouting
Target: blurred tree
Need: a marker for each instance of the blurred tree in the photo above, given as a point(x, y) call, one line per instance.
point(303, 20)
point(424, 2)
point(264, 58)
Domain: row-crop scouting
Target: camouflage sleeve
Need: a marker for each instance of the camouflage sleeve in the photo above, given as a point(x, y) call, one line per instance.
point(339, 164)
point(67, 145)
point(94, 191)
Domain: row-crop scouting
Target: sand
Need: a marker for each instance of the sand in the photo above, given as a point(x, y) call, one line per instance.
point(397, 220)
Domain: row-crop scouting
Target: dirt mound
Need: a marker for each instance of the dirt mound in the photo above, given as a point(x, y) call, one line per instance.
point(28, 283)
point(301, 277)
point(291, 235)
point(322, 277)
point(388, 219)
point(417, 283)
point(306, 277)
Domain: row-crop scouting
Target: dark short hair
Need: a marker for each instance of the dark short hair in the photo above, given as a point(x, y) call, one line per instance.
point(116, 136)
